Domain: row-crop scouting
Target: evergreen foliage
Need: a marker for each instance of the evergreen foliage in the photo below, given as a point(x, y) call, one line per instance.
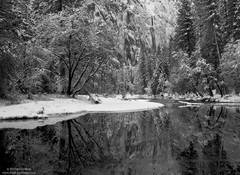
point(185, 32)
point(236, 23)
point(211, 39)
point(121, 46)
point(13, 30)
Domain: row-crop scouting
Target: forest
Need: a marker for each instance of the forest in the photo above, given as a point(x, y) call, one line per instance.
point(119, 46)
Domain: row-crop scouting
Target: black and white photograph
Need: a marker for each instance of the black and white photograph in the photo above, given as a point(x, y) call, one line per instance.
point(119, 87)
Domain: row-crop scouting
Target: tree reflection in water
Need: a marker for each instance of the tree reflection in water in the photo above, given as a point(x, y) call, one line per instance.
point(6, 154)
point(188, 141)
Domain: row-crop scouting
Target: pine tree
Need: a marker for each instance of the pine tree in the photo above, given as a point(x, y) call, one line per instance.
point(142, 75)
point(232, 20)
point(10, 26)
point(211, 32)
point(185, 35)
point(236, 24)
point(229, 19)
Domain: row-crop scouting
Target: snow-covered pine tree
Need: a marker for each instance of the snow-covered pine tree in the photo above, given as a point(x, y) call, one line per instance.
point(211, 32)
point(185, 35)
point(236, 24)
point(229, 19)
point(232, 20)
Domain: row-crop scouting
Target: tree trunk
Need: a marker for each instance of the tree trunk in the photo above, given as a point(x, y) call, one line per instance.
point(69, 88)
point(220, 89)
point(209, 88)
point(210, 92)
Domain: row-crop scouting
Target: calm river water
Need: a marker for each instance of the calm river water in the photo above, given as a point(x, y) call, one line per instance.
point(172, 140)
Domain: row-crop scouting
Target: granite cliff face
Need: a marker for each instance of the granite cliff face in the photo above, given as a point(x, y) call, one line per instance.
point(164, 13)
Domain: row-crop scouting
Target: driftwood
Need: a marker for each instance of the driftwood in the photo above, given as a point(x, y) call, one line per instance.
point(91, 98)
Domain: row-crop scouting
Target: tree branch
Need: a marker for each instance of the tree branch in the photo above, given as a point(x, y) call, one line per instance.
point(81, 57)
point(61, 59)
point(83, 72)
point(89, 77)
point(69, 51)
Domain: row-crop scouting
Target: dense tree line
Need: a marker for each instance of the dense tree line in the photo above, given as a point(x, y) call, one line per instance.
point(211, 29)
point(74, 47)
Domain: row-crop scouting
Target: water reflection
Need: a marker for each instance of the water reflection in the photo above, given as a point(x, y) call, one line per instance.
point(187, 141)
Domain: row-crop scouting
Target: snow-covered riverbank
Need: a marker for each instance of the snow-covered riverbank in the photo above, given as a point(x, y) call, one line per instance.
point(39, 109)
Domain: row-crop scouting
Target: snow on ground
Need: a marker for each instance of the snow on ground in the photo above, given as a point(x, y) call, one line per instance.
point(68, 106)
point(188, 104)
point(230, 99)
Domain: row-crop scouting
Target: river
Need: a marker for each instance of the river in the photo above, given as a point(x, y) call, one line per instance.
point(173, 140)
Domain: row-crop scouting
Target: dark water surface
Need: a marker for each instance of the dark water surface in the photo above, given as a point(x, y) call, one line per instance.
point(169, 141)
